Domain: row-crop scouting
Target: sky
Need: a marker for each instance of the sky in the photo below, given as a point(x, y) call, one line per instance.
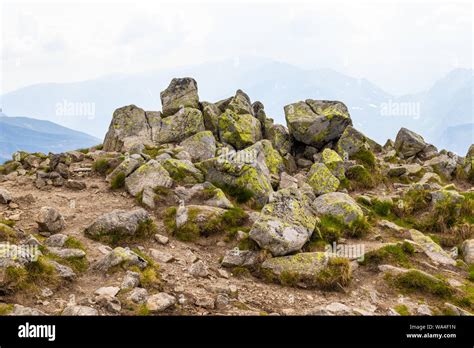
point(401, 46)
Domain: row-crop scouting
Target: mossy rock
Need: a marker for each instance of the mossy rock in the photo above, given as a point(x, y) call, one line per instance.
point(321, 179)
point(183, 171)
point(239, 130)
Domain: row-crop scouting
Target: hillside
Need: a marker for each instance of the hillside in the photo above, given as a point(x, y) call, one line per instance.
point(212, 208)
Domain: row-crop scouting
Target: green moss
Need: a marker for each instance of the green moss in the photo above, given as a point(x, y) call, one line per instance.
point(150, 275)
point(240, 272)
point(402, 310)
point(169, 219)
point(118, 181)
point(470, 275)
point(5, 308)
point(152, 151)
point(398, 254)
point(74, 243)
point(416, 281)
point(364, 157)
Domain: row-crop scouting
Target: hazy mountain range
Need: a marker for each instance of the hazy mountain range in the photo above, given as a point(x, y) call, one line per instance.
point(23, 133)
point(443, 114)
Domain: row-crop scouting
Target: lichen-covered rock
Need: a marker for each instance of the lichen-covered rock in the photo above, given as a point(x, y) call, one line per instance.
point(239, 130)
point(317, 122)
point(469, 164)
point(285, 224)
point(239, 171)
point(119, 223)
point(120, 257)
point(280, 138)
point(431, 249)
point(444, 196)
point(151, 175)
point(77, 310)
point(333, 162)
point(468, 251)
point(353, 141)
point(240, 104)
point(240, 258)
point(193, 221)
point(181, 93)
point(206, 194)
point(442, 165)
point(183, 124)
point(316, 269)
point(266, 158)
point(129, 127)
point(321, 179)
point(211, 113)
point(5, 196)
point(50, 220)
point(183, 172)
point(340, 206)
point(200, 146)
point(408, 143)
point(125, 168)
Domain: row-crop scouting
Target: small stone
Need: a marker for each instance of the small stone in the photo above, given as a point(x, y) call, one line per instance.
point(76, 310)
point(131, 280)
point(161, 256)
point(205, 302)
point(199, 269)
point(161, 239)
point(108, 291)
point(160, 301)
point(138, 295)
point(5, 196)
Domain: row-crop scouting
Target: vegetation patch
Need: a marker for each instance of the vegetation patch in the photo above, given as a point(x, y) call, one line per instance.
point(416, 281)
point(5, 308)
point(397, 254)
point(118, 181)
point(402, 310)
point(330, 229)
point(240, 194)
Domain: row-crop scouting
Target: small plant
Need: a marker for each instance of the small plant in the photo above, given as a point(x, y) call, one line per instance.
point(382, 207)
point(365, 157)
point(241, 194)
point(118, 181)
point(5, 308)
point(360, 178)
point(101, 166)
point(415, 280)
point(402, 310)
point(397, 254)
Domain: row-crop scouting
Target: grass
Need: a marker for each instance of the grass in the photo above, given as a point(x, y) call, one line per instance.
point(397, 254)
point(85, 151)
point(143, 310)
point(7, 233)
point(360, 178)
point(150, 275)
point(101, 166)
point(402, 310)
point(152, 151)
point(382, 207)
point(5, 308)
point(330, 229)
point(470, 275)
point(74, 243)
point(241, 194)
point(34, 275)
point(118, 181)
point(416, 281)
point(365, 157)
point(9, 223)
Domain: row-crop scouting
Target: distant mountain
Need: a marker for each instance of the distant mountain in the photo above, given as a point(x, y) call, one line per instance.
point(32, 135)
point(88, 105)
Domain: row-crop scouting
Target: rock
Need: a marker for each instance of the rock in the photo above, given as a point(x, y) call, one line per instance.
point(50, 220)
point(5, 196)
point(19, 310)
point(340, 206)
point(183, 172)
point(160, 302)
point(287, 181)
point(448, 197)
point(308, 269)
point(333, 162)
point(76, 185)
point(468, 251)
point(67, 253)
point(161, 239)
point(442, 165)
point(176, 128)
point(109, 303)
point(388, 225)
point(457, 310)
point(63, 271)
point(125, 168)
point(429, 178)
point(285, 223)
point(200, 146)
point(107, 291)
point(151, 174)
point(131, 280)
point(56, 240)
point(239, 258)
point(239, 130)
point(120, 257)
point(396, 171)
point(321, 179)
point(138, 295)
point(119, 223)
point(408, 143)
point(181, 93)
point(161, 256)
point(198, 269)
point(129, 127)
point(240, 104)
point(206, 194)
point(317, 122)
point(353, 141)
point(211, 114)
point(280, 138)
point(334, 308)
point(205, 302)
point(431, 249)
point(76, 310)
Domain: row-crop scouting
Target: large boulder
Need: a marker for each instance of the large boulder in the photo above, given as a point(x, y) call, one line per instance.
point(321, 179)
point(210, 113)
point(125, 168)
point(316, 269)
point(317, 122)
point(408, 143)
point(239, 171)
point(339, 206)
point(334, 163)
point(119, 223)
point(266, 157)
point(241, 104)
point(442, 165)
point(200, 146)
point(431, 249)
point(149, 175)
point(353, 141)
point(179, 126)
point(206, 194)
point(128, 128)
point(181, 93)
point(286, 222)
point(120, 257)
point(239, 130)
point(50, 220)
point(183, 171)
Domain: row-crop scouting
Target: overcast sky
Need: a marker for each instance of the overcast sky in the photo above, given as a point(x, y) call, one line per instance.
point(401, 46)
